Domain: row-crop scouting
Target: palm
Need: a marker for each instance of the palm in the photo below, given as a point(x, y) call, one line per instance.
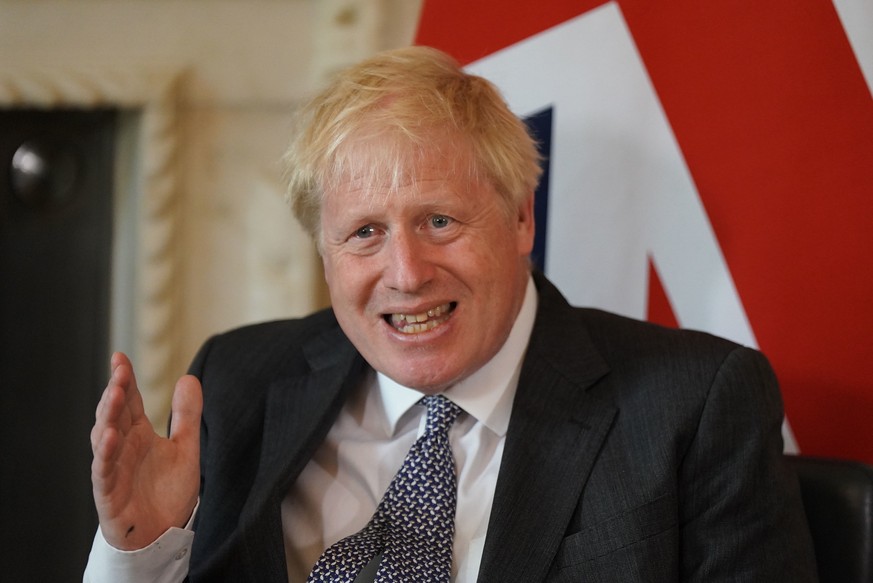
point(143, 483)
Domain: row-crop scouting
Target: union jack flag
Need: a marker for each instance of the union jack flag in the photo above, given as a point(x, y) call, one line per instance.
point(710, 165)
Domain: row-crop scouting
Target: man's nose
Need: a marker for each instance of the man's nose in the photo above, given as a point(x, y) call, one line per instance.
point(410, 265)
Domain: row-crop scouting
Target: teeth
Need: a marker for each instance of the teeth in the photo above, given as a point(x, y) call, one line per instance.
point(416, 328)
point(415, 323)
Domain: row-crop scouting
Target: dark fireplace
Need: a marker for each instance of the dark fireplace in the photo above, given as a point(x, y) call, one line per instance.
point(56, 216)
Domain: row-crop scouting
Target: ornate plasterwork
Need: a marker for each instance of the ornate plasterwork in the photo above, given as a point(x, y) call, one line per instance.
point(146, 298)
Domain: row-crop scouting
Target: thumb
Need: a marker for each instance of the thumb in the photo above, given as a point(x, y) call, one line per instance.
point(186, 410)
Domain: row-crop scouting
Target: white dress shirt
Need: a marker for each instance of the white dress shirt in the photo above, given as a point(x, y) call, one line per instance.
point(339, 489)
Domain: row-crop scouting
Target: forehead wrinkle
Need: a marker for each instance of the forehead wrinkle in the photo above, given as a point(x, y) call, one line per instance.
point(387, 160)
point(375, 194)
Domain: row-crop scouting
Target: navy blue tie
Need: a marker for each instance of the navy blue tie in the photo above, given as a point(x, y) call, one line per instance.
point(414, 524)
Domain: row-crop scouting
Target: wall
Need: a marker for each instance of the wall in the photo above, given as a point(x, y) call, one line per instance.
point(203, 241)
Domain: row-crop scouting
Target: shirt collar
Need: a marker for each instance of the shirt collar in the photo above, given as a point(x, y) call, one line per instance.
point(488, 393)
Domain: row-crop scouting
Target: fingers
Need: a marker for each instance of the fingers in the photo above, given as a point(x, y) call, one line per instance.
point(105, 448)
point(108, 411)
point(119, 408)
point(187, 408)
point(123, 376)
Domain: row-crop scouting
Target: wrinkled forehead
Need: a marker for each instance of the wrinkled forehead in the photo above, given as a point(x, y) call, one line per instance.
point(387, 160)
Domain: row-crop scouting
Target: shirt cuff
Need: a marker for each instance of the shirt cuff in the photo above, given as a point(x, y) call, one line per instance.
point(164, 561)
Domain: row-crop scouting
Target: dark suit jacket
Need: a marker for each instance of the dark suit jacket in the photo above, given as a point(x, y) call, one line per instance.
point(634, 453)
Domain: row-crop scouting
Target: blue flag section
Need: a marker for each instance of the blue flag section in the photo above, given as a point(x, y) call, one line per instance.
point(540, 125)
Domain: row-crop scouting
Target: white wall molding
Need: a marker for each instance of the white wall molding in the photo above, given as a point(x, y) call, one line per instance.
point(145, 304)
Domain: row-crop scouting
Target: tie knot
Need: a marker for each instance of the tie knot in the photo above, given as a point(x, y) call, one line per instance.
point(441, 413)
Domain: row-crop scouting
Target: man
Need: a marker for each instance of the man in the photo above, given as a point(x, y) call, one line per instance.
point(589, 447)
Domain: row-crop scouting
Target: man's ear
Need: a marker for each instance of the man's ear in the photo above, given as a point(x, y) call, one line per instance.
point(525, 225)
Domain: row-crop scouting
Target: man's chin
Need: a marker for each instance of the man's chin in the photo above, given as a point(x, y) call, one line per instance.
point(428, 384)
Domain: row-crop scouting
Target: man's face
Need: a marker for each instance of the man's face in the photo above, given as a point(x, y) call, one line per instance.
point(426, 280)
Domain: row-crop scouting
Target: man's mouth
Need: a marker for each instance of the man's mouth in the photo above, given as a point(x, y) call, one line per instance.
point(422, 322)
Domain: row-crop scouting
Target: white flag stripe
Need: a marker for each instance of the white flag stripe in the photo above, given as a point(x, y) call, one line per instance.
point(857, 19)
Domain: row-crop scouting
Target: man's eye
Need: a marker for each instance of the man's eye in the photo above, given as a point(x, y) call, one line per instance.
point(440, 221)
point(365, 232)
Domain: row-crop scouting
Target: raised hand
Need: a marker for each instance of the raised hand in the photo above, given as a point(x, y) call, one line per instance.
point(144, 483)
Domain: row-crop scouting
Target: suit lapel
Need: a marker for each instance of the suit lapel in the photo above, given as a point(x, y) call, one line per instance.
point(555, 433)
point(299, 412)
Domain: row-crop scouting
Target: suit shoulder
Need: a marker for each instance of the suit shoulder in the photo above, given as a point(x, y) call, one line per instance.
point(288, 330)
point(612, 332)
point(275, 345)
point(677, 365)
point(565, 328)
point(659, 355)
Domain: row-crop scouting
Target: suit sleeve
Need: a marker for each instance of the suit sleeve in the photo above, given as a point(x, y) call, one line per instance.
point(741, 516)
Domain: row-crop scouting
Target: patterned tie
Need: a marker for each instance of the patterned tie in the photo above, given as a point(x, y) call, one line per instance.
point(414, 523)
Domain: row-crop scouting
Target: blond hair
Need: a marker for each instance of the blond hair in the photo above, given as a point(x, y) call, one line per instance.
point(420, 100)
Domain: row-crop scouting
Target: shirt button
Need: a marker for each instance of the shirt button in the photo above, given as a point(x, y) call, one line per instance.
point(181, 554)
